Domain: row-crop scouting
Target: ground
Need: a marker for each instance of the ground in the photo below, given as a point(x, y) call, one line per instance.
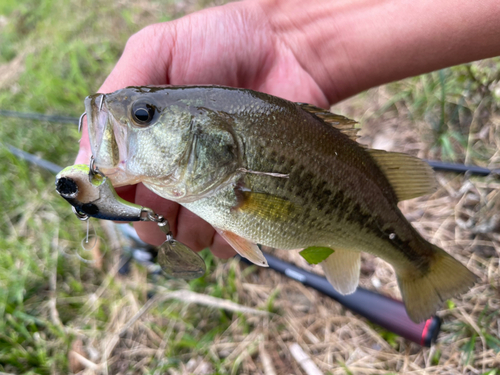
point(60, 314)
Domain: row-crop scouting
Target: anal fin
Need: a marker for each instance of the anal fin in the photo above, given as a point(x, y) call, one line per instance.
point(342, 270)
point(245, 248)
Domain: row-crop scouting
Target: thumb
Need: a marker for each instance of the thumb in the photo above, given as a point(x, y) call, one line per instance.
point(84, 153)
point(145, 59)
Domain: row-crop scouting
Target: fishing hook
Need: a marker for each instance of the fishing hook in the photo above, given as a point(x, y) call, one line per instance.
point(101, 98)
point(80, 121)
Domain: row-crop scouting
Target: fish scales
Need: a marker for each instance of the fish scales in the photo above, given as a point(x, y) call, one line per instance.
point(261, 169)
point(326, 188)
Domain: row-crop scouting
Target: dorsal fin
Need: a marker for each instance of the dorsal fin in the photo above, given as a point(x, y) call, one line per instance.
point(342, 123)
point(409, 176)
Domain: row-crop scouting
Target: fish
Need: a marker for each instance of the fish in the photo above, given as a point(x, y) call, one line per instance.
point(264, 170)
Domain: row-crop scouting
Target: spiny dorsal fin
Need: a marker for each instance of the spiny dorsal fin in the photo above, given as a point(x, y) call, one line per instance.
point(342, 123)
point(409, 176)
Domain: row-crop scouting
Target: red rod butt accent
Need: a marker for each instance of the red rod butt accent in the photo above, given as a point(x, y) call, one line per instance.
point(430, 331)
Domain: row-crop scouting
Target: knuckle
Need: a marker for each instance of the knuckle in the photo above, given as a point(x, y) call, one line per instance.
point(144, 36)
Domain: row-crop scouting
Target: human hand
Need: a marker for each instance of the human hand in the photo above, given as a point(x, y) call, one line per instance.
point(318, 53)
point(233, 45)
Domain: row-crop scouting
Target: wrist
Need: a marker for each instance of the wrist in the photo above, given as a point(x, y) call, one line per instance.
point(318, 35)
point(350, 46)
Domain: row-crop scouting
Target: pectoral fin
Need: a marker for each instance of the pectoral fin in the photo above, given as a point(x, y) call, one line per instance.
point(244, 247)
point(342, 270)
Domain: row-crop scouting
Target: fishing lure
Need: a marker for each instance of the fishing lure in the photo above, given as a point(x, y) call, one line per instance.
point(91, 194)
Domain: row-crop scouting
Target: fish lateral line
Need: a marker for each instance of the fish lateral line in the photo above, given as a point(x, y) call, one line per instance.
point(272, 174)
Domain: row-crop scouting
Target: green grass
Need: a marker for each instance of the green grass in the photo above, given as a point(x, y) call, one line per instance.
point(53, 75)
point(453, 102)
point(65, 50)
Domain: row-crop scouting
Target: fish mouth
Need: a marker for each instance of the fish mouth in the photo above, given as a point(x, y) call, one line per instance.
point(97, 120)
point(107, 141)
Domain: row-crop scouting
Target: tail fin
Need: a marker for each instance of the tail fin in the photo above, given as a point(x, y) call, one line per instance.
point(423, 294)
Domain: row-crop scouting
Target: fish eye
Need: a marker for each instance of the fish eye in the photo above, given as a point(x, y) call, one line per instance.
point(144, 114)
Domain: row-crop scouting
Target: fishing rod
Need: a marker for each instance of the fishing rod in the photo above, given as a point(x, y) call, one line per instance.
point(379, 309)
point(40, 117)
point(461, 168)
point(386, 312)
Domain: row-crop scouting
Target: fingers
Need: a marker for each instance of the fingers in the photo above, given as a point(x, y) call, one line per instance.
point(84, 153)
point(149, 231)
point(127, 192)
point(193, 231)
point(221, 249)
point(200, 238)
point(186, 227)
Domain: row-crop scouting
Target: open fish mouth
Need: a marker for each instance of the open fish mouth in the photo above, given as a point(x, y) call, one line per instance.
point(97, 118)
point(107, 140)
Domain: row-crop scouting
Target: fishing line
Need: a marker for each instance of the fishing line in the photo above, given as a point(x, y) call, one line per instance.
point(88, 226)
point(85, 253)
point(89, 241)
point(39, 117)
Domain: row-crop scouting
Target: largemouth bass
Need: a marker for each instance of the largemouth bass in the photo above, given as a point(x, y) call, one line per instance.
point(265, 170)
